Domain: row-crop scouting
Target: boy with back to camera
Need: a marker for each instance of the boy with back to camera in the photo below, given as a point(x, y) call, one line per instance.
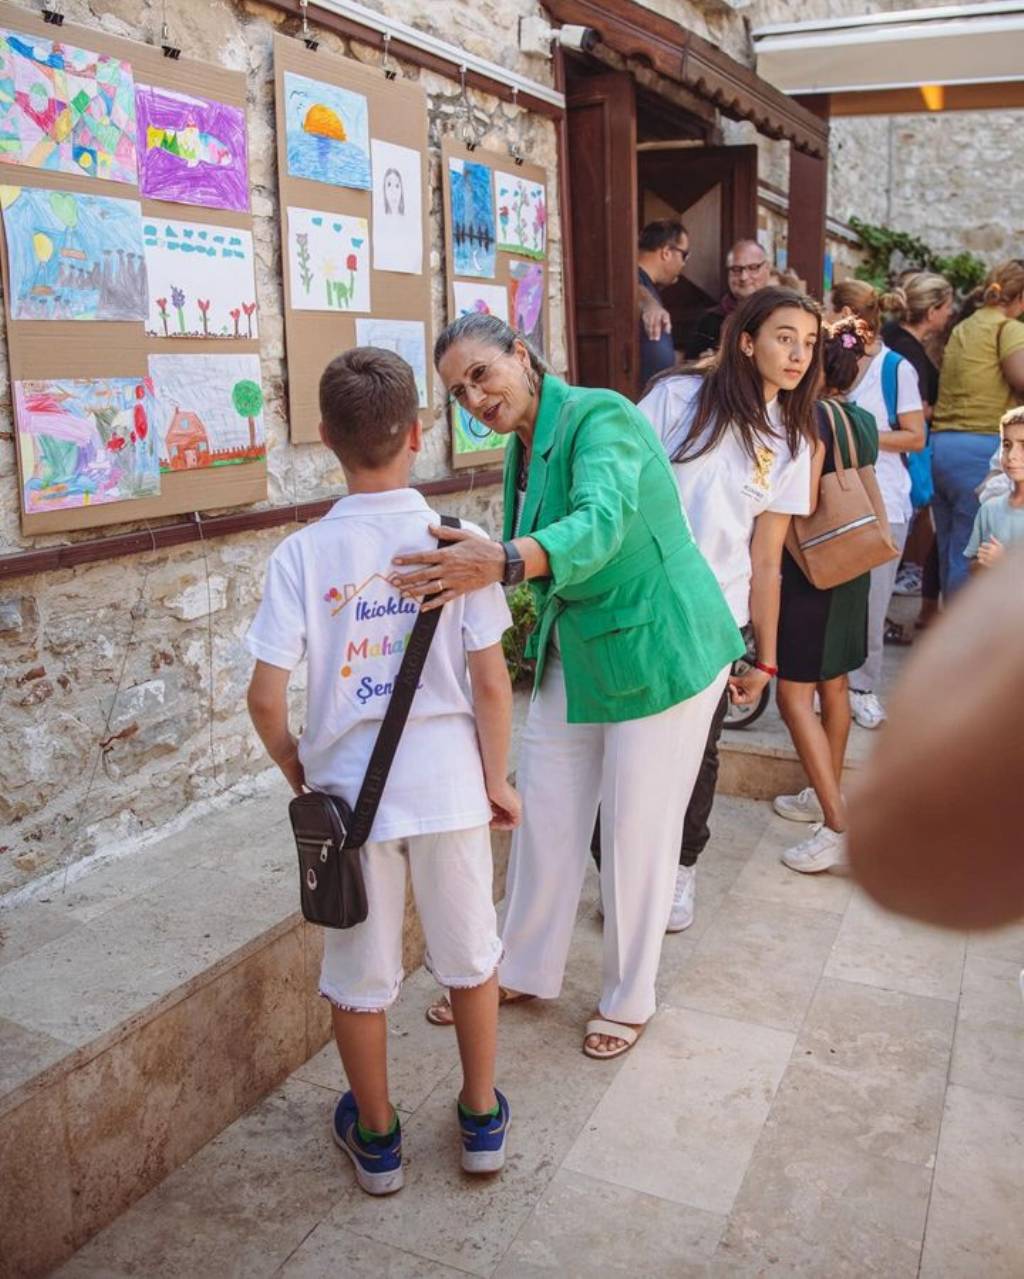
point(328, 597)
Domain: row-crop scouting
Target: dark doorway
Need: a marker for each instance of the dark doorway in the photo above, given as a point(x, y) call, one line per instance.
point(633, 156)
point(713, 190)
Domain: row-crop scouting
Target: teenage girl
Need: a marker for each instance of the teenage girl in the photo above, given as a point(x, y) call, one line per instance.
point(823, 634)
point(741, 436)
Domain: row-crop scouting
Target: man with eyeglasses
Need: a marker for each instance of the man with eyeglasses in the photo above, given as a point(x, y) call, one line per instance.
point(664, 248)
point(747, 270)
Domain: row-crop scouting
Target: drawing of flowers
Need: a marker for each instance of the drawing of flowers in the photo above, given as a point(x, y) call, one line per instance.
point(305, 271)
point(204, 312)
point(162, 304)
point(249, 308)
point(236, 315)
point(540, 217)
point(178, 302)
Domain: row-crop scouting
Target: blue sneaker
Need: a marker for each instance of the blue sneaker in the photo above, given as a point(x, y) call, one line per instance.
point(483, 1140)
point(378, 1164)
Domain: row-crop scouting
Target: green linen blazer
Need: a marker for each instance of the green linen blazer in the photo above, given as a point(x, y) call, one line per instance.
point(642, 623)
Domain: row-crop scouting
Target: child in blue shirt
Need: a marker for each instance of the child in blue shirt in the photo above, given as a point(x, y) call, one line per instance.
point(1000, 520)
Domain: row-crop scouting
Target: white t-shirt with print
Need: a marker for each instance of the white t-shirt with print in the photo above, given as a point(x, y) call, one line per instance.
point(328, 597)
point(725, 491)
point(893, 476)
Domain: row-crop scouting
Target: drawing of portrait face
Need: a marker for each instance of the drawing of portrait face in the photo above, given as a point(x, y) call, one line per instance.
point(394, 195)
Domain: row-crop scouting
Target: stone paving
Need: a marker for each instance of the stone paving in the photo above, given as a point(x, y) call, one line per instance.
point(825, 1091)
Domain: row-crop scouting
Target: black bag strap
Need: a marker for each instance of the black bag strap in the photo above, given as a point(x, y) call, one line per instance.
point(393, 724)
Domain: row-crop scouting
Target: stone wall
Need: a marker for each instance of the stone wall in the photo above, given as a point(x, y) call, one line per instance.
point(955, 180)
point(122, 683)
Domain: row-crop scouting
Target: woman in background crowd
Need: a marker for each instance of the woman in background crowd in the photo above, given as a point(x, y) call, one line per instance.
point(740, 434)
point(922, 308)
point(900, 430)
point(982, 377)
point(823, 634)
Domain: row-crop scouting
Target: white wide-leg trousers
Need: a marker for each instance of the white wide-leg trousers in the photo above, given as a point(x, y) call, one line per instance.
point(641, 772)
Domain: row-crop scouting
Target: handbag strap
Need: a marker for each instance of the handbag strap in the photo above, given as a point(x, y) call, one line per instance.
point(833, 410)
point(393, 724)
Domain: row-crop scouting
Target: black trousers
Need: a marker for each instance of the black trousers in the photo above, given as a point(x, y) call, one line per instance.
point(696, 831)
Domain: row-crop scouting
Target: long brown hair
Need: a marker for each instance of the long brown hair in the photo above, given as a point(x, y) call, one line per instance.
point(732, 394)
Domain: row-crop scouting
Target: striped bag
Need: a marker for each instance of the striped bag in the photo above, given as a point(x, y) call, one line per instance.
point(848, 532)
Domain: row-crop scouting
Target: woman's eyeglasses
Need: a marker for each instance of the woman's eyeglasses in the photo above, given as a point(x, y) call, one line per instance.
point(474, 382)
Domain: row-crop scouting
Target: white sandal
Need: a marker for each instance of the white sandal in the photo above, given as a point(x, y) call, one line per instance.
point(614, 1030)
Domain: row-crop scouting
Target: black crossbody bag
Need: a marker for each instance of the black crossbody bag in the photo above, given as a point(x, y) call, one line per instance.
point(328, 833)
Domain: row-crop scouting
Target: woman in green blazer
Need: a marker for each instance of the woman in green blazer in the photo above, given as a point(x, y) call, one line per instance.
point(633, 647)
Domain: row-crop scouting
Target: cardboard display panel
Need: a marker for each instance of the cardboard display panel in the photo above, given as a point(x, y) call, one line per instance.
point(63, 349)
point(495, 229)
point(353, 187)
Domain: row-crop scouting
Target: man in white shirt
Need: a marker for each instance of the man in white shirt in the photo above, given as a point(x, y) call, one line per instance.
point(329, 598)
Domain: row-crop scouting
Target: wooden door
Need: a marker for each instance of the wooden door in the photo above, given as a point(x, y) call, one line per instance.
point(714, 191)
point(601, 125)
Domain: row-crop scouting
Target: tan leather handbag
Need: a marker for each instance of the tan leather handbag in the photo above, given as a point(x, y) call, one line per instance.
point(848, 534)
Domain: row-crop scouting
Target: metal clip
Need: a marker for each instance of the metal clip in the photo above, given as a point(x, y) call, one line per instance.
point(53, 16)
point(390, 73)
point(323, 849)
point(308, 38)
point(170, 50)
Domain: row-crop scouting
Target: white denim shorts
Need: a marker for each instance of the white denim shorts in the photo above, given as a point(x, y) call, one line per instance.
point(452, 883)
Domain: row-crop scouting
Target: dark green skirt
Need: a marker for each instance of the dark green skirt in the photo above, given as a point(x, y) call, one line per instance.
point(822, 634)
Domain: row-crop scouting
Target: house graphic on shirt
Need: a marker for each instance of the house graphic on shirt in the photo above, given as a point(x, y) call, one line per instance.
point(342, 597)
point(377, 622)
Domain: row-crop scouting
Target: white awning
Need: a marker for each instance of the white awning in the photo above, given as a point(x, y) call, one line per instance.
point(959, 44)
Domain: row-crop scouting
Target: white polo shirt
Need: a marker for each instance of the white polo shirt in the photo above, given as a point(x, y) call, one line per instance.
point(328, 597)
point(890, 469)
point(725, 491)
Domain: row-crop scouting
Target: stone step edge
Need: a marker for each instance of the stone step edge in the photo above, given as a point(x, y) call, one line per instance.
point(59, 1193)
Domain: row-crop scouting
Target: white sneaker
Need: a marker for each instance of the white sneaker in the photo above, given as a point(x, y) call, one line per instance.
point(867, 710)
point(799, 808)
point(684, 899)
point(822, 848)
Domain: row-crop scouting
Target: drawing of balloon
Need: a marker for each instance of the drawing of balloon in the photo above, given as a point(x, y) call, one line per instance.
point(43, 246)
point(65, 208)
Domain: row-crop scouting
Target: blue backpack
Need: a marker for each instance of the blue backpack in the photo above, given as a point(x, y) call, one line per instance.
point(922, 486)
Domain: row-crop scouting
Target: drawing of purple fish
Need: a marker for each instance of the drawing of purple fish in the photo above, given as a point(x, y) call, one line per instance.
point(192, 150)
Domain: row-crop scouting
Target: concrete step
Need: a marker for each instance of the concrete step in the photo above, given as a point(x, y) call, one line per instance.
point(144, 1005)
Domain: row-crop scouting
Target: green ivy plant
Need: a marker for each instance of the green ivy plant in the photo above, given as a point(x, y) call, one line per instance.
point(965, 271)
point(524, 617)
